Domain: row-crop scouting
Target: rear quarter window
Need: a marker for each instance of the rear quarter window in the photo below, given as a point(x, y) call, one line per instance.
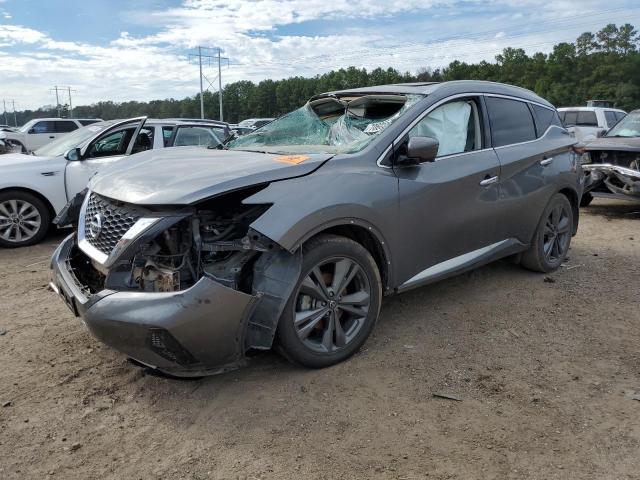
point(511, 121)
point(544, 118)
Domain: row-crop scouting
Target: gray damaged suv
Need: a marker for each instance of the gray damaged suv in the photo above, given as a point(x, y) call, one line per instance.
point(188, 260)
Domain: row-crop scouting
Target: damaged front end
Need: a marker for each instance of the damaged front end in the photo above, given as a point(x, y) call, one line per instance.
point(610, 173)
point(187, 290)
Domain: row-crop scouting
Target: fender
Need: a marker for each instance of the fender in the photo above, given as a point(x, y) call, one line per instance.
point(303, 207)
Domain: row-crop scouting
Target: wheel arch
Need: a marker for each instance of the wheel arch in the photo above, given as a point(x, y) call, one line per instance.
point(35, 193)
point(574, 200)
point(365, 234)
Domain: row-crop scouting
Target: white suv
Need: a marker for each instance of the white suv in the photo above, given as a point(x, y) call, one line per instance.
point(587, 122)
point(38, 132)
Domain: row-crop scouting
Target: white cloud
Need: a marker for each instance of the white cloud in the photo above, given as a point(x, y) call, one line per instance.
point(133, 67)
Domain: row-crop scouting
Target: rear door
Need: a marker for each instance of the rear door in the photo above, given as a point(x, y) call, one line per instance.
point(447, 207)
point(527, 138)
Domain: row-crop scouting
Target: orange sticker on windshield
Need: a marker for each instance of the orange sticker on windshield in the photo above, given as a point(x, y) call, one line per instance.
point(292, 159)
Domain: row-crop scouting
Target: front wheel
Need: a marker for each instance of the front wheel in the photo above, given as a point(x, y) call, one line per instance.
point(24, 219)
point(334, 305)
point(551, 241)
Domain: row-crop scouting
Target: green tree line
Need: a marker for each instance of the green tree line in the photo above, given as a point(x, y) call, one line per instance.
point(604, 65)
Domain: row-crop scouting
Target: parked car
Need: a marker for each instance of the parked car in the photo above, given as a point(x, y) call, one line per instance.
point(612, 163)
point(38, 132)
point(237, 130)
point(34, 188)
point(589, 122)
point(254, 123)
point(187, 260)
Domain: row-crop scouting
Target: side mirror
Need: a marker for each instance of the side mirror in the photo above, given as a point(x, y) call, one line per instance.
point(601, 133)
point(31, 130)
point(73, 155)
point(419, 150)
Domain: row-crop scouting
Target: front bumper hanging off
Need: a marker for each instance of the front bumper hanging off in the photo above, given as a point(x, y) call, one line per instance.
point(194, 332)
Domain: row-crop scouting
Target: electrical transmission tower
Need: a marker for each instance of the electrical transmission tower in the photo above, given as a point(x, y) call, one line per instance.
point(208, 57)
point(69, 90)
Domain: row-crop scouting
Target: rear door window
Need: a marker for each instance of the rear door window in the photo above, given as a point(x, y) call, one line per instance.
point(195, 136)
point(587, 118)
point(511, 121)
point(63, 126)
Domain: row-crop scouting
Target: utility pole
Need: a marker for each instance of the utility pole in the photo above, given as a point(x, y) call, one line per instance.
point(70, 105)
point(15, 119)
point(200, 56)
point(219, 84)
point(69, 90)
point(57, 101)
point(4, 104)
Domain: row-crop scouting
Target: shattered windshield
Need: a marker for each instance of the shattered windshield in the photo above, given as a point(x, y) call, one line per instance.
point(328, 125)
point(629, 126)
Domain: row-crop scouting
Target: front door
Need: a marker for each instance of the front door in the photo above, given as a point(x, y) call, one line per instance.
point(447, 207)
point(104, 151)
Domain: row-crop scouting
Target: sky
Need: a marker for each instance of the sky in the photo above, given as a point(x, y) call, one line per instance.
point(123, 50)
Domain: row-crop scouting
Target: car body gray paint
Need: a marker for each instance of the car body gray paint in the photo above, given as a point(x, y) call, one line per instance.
point(184, 175)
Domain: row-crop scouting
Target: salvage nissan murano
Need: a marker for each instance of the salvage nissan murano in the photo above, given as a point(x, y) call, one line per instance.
point(187, 260)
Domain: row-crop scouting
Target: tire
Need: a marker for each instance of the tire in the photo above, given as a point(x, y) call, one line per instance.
point(586, 199)
point(318, 327)
point(552, 238)
point(24, 219)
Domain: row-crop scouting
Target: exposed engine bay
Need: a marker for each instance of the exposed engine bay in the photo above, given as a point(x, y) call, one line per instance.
point(212, 239)
point(613, 173)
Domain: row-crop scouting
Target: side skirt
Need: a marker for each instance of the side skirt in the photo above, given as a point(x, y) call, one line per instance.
point(463, 263)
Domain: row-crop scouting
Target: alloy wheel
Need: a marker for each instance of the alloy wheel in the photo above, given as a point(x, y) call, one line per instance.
point(557, 234)
point(331, 305)
point(19, 221)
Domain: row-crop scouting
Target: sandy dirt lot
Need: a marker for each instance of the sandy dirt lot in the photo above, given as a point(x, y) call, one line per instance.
point(546, 369)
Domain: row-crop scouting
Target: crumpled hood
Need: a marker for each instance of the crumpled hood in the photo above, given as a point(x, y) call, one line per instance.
point(623, 144)
point(184, 175)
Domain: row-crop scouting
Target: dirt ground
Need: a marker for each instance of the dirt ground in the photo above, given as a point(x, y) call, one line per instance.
point(546, 370)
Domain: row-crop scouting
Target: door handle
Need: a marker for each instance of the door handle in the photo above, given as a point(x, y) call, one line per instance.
point(488, 180)
point(546, 161)
point(51, 136)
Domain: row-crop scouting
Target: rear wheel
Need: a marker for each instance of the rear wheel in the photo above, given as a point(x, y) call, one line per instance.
point(551, 241)
point(24, 219)
point(334, 305)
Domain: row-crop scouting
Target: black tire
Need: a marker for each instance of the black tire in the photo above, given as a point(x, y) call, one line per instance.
point(551, 241)
point(586, 199)
point(328, 342)
point(36, 211)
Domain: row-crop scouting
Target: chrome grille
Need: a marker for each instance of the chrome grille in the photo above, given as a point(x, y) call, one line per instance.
point(105, 222)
